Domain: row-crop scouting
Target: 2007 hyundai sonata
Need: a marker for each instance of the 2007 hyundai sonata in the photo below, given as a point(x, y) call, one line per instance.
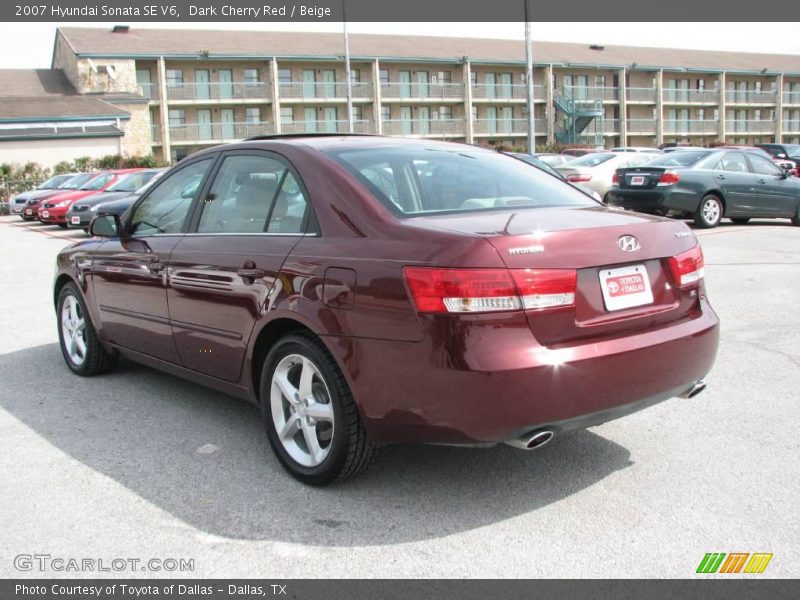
point(366, 290)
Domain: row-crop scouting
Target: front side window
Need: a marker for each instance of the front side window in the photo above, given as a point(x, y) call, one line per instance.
point(764, 166)
point(419, 180)
point(164, 210)
point(253, 194)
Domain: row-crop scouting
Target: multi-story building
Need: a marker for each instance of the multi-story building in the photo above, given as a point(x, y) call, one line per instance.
point(207, 87)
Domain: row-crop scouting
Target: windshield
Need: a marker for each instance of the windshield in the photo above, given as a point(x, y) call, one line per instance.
point(54, 182)
point(98, 182)
point(422, 180)
point(793, 149)
point(677, 159)
point(592, 160)
point(77, 181)
point(132, 181)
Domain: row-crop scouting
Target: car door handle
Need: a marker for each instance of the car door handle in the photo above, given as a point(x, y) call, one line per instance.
point(250, 275)
point(761, 180)
point(156, 267)
point(720, 176)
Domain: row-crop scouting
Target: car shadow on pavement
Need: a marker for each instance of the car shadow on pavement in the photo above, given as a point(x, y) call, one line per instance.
point(204, 458)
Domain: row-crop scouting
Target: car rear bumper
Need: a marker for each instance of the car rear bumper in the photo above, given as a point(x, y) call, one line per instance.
point(489, 386)
point(654, 200)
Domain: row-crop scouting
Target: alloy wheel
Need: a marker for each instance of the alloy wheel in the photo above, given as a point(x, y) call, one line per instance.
point(73, 329)
point(301, 410)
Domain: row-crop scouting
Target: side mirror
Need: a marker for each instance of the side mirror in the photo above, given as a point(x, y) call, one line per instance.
point(105, 226)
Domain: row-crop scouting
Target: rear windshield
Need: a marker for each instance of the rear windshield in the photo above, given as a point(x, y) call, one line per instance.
point(592, 160)
point(132, 181)
point(78, 181)
point(420, 180)
point(677, 159)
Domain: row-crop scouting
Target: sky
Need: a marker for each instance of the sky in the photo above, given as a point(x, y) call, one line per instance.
point(30, 45)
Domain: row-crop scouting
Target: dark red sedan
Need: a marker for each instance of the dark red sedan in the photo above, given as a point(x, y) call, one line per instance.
point(367, 290)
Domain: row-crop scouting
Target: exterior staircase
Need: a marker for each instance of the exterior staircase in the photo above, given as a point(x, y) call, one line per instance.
point(578, 116)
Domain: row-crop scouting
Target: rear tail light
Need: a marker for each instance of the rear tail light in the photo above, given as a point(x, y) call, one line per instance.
point(615, 179)
point(578, 178)
point(489, 290)
point(687, 267)
point(669, 178)
point(546, 288)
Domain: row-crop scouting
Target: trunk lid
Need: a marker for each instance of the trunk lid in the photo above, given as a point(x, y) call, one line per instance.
point(639, 178)
point(587, 240)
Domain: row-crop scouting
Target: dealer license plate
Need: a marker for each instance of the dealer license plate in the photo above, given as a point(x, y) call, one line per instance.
point(637, 180)
point(46, 214)
point(75, 220)
point(625, 287)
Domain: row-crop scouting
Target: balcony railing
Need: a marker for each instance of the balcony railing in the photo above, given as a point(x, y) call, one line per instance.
point(438, 127)
point(432, 91)
point(360, 126)
point(641, 95)
point(749, 126)
point(791, 126)
point(219, 91)
point(646, 126)
point(791, 97)
point(307, 90)
point(749, 97)
point(501, 126)
point(149, 90)
point(681, 96)
point(506, 91)
point(218, 132)
point(687, 126)
point(589, 94)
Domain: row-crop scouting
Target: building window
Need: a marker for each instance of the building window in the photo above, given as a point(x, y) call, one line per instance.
point(355, 76)
point(174, 77)
point(474, 113)
point(757, 86)
point(384, 75)
point(252, 77)
point(700, 84)
point(284, 76)
point(252, 115)
point(177, 117)
point(386, 113)
point(473, 78)
point(442, 77)
point(287, 115)
point(358, 113)
point(701, 114)
point(445, 112)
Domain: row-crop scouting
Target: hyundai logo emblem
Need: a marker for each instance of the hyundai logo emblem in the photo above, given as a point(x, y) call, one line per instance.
point(628, 243)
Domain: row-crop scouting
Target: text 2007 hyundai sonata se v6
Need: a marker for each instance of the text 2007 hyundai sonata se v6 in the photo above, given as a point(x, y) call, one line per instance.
point(366, 290)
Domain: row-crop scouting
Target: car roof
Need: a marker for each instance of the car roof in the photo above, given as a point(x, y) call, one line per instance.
point(328, 142)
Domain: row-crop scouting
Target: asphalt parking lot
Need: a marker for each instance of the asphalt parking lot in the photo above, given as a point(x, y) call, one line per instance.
point(141, 464)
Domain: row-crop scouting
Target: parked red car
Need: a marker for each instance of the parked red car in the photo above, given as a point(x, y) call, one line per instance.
point(367, 290)
point(54, 210)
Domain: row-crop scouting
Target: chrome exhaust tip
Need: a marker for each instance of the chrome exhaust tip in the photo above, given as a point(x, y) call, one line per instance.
point(695, 389)
point(532, 440)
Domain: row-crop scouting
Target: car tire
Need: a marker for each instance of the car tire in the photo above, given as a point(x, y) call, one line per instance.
point(710, 212)
point(75, 329)
point(740, 220)
point(332, 445)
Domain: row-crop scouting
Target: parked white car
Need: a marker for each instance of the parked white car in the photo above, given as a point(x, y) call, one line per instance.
point(595, 170)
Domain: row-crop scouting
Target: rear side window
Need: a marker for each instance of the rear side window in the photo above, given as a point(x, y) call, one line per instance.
point(734, 162)
point(253, 194)
point(418, 180)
